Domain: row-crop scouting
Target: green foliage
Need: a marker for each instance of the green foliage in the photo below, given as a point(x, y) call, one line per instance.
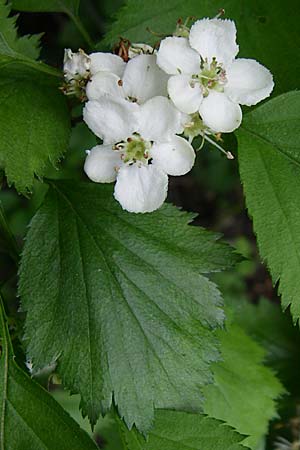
point(68, 6)
point(29, 417)
point(174, 430)
point(241, 371)
point(269, 167)
point(121, 296)
point(10, 45)
point(263, 29)
point(37, 126)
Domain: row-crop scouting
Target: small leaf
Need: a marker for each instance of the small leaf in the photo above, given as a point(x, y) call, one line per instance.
point(174, 430)
point(121, 301)
point(244, 390)
point(269, 157)
point(262, 34)
point(67, 6)
point(29, 417)
point(10, 44)
point(35, 126)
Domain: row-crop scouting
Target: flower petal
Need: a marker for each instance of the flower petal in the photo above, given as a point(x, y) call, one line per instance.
point(215, 38)
point(219, 113)
point(111, 119)
point(104, 83)
point(143, 79)
point(248, 82)
point(158, 119)
point(107, 62)
point(175, 157)
point(101, 164)
point(176, 56)
point(141, 189)
point(185, 95)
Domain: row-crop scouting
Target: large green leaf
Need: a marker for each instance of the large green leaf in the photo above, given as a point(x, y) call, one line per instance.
point(174, 430)
point(67, 6)
point(269, 158)
point(35, 126)
point(120, 300)
point(244, 390)
point(263, 29)
point(29, 417)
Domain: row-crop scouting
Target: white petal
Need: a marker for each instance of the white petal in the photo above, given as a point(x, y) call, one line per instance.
point(219, 113)
point(110, 119)
point(107, 62)
point(159, 119)
point(248, 82)
point(215, 38)
point(101, 164)
point(141, 189)
point(143, 79)
point(104, 83)
point(175, 157)
point(185, 95)
point(76, 65)
point(176, 56)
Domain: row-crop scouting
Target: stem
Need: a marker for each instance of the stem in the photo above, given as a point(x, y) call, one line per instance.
point(80, 27)
point(8, 235)
point(229, 155)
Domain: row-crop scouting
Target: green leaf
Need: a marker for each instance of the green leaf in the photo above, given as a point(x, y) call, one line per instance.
point(121, 301)
point(37, 126)
point(176, 430)
point(274, 330)
point(67, 6)
point(269, 158)
point(244, 390)
point(10, 44)
point(263, 30)
point(22, 50)
point(29, 417)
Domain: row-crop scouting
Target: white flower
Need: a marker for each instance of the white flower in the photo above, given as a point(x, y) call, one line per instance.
point(207, 78)
point(140, 149)
point(76, 65)
point(141, 80)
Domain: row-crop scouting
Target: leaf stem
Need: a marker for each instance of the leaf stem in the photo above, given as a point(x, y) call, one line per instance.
point(80, 27)
point(13, 248)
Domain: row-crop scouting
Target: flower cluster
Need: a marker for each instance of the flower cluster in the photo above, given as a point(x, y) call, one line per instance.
point(148, 109)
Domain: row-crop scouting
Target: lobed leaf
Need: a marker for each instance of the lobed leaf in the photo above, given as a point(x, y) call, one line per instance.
point(29, 416)
point(269, 156)
point(121, 302)
point(244, 392)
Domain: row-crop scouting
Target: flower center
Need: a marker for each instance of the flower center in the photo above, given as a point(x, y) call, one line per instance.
point(211, 76)
point(134, 150)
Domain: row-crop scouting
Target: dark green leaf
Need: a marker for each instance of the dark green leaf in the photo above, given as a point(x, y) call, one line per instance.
point(268, 33)
point(120, 300)
point(269, 149)
point(29, 417)
point(67, 6)
point(183, 431)
point(244, 390)
point(35, 126)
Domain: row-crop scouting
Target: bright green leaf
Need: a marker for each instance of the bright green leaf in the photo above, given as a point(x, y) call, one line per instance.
point(263, 29)
point(29, 417)
point(174, 430)
point(67, 6)
point(35, 126)
point(269, 158)
point(121, 301)
point(244, 390)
